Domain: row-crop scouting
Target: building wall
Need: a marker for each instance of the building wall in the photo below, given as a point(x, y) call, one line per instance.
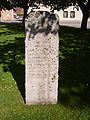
point(7, 15)
point(70, 10)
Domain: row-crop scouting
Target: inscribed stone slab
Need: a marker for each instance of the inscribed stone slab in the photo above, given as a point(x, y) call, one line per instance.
point(41, 58)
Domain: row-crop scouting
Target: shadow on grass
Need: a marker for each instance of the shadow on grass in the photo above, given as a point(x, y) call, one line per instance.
point(18, 72)
point(12, 58)
point(12, 55)
point(74, 89)
point(12, 28)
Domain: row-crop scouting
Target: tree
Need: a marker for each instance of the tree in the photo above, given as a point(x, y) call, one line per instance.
point(62, 4)
point(5, 4)
point(85, 8)
point(55, 5)
point(10, 4)
point(20, 3)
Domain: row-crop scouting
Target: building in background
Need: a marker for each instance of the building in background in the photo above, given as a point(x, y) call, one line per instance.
point(7, 15)
point(71, 13)
point(10, 15)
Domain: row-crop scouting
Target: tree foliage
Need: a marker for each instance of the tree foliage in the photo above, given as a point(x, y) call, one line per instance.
point(62, 4)
point(55, 5)
point(85, 8)
point(5, 4)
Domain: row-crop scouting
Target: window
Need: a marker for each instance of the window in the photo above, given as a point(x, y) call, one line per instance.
point(72, 14)
point(65, 14)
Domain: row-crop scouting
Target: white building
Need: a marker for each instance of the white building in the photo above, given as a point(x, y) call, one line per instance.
point(71, 13)
point(6, 15)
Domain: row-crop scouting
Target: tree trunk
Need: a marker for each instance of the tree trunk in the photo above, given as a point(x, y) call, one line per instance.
point(84, 19)
point(25, 14)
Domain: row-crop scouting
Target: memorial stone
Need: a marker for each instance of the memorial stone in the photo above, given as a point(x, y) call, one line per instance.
point(41, 58)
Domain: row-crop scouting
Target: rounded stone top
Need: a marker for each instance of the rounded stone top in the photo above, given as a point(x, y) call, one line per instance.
point(42, 22)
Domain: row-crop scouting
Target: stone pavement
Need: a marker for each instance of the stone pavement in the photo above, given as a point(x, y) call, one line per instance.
point(73, 23)
point(10, 22)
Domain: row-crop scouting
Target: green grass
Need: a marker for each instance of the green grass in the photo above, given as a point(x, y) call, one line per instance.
point(74, 82)
point(75, 65)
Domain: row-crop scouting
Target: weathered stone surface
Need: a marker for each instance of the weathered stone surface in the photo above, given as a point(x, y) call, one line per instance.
point(41, 58)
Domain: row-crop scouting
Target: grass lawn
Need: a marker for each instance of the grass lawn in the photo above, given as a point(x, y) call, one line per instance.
point(74, 81)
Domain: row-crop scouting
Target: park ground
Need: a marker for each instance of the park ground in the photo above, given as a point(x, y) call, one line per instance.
point(74, 80)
